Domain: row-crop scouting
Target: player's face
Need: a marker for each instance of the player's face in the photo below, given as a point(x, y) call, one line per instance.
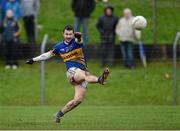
point(68, 35)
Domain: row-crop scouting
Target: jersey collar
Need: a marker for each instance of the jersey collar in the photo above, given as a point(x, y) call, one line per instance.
point(68, 43)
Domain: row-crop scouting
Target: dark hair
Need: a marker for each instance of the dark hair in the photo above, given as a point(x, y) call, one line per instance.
point(109, 7)
point(68, 27)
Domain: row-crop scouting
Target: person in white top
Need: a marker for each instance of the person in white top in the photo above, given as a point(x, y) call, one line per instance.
point(127, 35)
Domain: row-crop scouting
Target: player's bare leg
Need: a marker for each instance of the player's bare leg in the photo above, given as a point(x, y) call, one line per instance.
point(80, 91)
point(81, 75)
point(78, 98)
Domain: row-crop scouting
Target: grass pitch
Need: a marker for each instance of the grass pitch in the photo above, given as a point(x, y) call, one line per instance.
point(113, 106)
point(91, 117)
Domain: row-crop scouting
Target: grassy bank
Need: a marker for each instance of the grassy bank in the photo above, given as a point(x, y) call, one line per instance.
point(55, 14)
point(140, 86)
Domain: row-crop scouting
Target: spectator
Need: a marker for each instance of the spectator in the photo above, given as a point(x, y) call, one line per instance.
point(11, 34)
point(127, 35)
point(13, 5)
point(1, 21)
point(1, 5)
point(106, 26)
point(82, 10)
point(30, 10)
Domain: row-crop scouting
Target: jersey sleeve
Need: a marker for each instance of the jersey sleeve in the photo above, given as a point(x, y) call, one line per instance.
point(55, 50)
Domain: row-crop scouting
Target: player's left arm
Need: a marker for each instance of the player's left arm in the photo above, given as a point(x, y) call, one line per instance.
point(42, 57)
point(78, 37)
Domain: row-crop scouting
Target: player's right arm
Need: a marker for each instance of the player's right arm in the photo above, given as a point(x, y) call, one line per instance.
point(55, 51)
point(42, 57)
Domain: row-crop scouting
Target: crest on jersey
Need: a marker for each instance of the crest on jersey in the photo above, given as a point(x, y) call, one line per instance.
point(69, 48)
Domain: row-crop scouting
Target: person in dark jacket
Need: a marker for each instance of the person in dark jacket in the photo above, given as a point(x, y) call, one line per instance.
point(82, 10)
point(106, 26)
point(30, 10)
point(11, 34)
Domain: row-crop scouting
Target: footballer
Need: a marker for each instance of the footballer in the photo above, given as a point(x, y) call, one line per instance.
point(71, 50)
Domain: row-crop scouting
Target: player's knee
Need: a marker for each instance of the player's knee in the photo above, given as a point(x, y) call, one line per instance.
point(79, 76)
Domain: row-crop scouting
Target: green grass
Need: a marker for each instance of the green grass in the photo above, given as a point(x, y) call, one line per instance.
point(91, 117)
point(57, 13)
point(125, 87)
point(132, 99)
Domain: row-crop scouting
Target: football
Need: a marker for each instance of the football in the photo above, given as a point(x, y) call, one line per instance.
point(139, 23)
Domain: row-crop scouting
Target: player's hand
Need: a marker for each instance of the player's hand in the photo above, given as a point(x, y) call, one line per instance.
point(30, 61)
point(78, 35)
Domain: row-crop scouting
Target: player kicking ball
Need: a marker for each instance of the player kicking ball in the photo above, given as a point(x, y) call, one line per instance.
point(71, 50)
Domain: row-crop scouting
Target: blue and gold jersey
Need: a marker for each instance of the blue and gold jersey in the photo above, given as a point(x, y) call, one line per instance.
point(72, 54)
